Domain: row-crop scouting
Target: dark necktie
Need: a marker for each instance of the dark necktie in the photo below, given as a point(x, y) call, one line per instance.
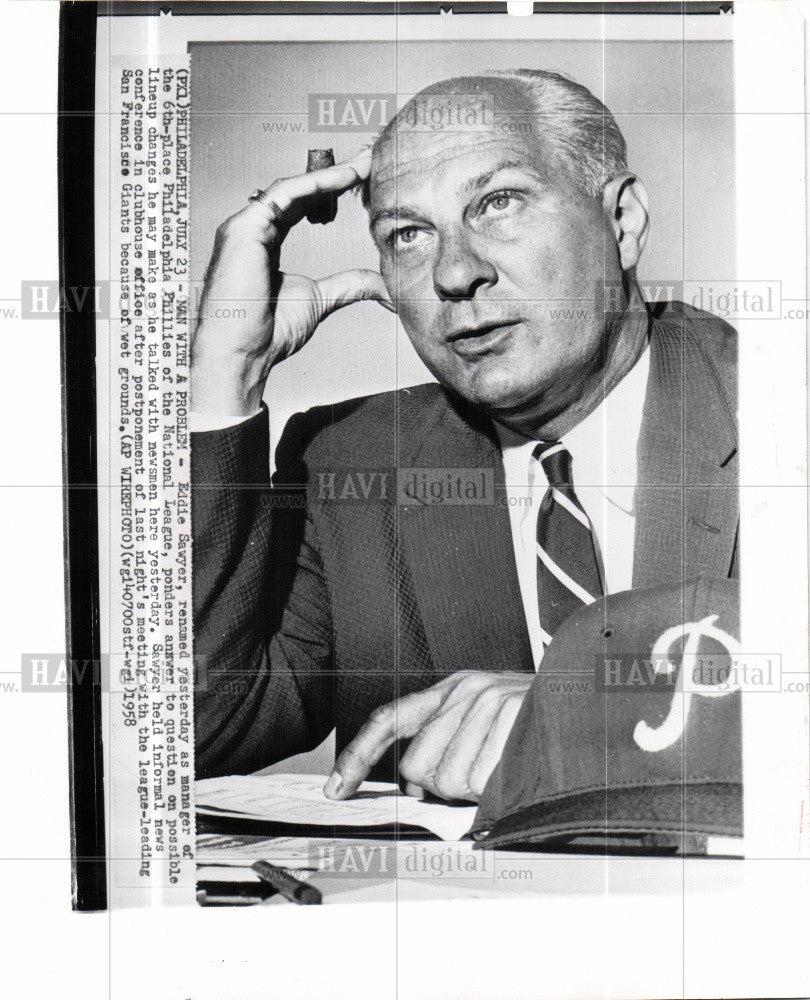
point(569, 575)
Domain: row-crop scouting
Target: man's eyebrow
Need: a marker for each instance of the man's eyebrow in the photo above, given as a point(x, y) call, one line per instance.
point(398, 211)
point(473, 184)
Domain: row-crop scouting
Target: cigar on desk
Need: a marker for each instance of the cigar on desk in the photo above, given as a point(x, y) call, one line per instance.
point(285, 883)
point(324, 208)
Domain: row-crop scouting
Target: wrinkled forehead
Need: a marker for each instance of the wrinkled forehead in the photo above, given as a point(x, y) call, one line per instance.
point(456, 126)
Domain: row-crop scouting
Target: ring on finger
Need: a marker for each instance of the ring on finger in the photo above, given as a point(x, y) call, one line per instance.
point(263, 197)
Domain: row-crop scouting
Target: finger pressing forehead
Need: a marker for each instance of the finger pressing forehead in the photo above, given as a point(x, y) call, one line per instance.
point(287, 191)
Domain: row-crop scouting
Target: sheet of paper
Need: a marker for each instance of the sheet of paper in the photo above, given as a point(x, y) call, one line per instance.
point(299, 799)
point(242, 872)
point(287, 852)
point(218, 848)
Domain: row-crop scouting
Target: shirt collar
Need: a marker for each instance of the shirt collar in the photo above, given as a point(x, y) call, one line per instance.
point(603, 446)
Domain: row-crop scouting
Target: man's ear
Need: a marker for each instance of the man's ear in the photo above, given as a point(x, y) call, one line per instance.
point(626, 206)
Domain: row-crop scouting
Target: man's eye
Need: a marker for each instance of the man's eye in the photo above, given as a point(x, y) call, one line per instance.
point(404, 236)
point(499, 201)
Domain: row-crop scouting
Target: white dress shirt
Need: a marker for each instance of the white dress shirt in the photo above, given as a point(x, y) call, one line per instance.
point(199, 422)
point(603, 451)
point(604, 470)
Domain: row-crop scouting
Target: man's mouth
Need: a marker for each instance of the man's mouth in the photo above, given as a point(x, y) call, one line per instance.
point(481, 338)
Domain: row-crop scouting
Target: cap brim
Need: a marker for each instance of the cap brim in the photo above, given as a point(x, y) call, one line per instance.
point(712, 808)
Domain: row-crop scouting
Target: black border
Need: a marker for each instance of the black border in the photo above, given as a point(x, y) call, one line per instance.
point(75, 153)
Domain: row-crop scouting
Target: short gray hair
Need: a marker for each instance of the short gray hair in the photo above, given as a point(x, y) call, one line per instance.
point(576, 123)
point(581, 128)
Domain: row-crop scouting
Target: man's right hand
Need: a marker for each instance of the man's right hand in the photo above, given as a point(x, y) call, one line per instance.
point(253, 314)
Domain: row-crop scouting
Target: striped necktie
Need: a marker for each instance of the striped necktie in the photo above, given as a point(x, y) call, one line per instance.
point(569, 574)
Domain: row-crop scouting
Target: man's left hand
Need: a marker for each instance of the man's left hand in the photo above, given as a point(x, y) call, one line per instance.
point(458, 728)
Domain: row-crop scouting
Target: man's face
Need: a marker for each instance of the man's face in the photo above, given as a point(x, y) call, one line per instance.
point(494, 257)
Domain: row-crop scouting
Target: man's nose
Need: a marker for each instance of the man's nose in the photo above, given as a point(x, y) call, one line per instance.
point(460, 270)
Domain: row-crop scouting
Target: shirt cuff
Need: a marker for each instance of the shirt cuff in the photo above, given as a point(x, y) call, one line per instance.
point(201, 422)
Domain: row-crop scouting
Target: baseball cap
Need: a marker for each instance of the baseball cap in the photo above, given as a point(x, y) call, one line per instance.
point(631, 731)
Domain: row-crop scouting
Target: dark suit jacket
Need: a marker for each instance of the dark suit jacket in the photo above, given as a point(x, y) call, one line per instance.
point(310, 609)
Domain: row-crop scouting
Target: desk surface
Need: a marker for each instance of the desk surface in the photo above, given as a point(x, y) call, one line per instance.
point(577, 926)
point(405, 871)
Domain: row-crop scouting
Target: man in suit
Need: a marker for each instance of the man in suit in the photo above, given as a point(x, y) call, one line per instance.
point(607, 430)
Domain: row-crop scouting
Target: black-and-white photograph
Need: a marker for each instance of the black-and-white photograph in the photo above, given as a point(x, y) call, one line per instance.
point(469, 302)
point(406, 500)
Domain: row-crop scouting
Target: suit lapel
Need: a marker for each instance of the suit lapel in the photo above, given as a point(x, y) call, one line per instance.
point(687, 497)
point(461, 555)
